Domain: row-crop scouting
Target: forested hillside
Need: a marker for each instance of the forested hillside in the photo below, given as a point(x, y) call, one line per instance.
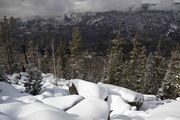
point(137, 50)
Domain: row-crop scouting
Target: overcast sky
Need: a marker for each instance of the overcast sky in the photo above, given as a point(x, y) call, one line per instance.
point(20, 8)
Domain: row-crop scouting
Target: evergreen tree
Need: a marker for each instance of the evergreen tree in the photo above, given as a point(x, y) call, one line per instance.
point(45, 62)
point(32, 55)
point(76, 60)
point(137, 64)
point(116, 62)
point(155, 72)
point(6, 27)
point(171, 85)
point(2, 73)
point(76, 43)
point(33, 83)
point(62, 59)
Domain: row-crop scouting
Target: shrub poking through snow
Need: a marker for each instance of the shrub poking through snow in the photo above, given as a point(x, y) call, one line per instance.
point(33, 83)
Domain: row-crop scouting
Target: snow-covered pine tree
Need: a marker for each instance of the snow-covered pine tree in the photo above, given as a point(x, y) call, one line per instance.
point(33, 83)
point(136, 66)
point(116, 62)
point(171, 85)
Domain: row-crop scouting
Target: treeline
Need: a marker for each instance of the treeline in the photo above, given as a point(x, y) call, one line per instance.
point(146, 73)
point(139, 70)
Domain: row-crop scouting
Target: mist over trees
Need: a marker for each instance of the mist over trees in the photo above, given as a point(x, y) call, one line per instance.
point(142, 70)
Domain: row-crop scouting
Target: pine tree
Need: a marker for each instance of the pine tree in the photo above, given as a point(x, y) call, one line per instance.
point(45, 62)
point(76, 60)
point(116, 62)
point(6, 27)
point(63, 60)
point(137, 64)
point(33, 83)
point(171, 85)
point(155, 72)
point(2, 73)
point(32, 56)
point(76, 43)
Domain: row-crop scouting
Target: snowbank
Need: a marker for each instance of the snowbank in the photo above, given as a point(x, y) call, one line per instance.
point(128, 95)
point(169, 111)
point(11, 109)
point(117, 105)
point(48, 115)
point(48, 86)
point(120, 117)
point(8, 90)
point(88, 89)
point(90, 109)
point(64, 102)
point(4, 117)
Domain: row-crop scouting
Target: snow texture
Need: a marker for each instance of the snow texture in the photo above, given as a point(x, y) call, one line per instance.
point(64, 102)
point(89, 90)
point(55, 103)
point(126, 94)
point(90, 109)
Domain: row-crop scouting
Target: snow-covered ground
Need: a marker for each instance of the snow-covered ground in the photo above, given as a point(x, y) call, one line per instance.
point(93, 102)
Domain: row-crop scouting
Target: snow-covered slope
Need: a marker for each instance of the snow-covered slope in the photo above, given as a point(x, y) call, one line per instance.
point(90, 104)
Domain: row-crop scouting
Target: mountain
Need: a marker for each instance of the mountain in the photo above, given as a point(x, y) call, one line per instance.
point(99, 28)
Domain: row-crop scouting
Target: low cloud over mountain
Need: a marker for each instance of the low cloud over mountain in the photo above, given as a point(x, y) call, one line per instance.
point(21, 8)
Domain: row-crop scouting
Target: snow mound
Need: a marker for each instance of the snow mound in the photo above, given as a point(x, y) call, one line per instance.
point(4, 117)
point(88, 89)
point(8, 90)
point(91, 109)
point(64, 102)
point(172, 118)
point(168, 111)
point(127, 94)
point(48, 115)
point(27, 99)
point(10, 109)
point(28, 109)
point(120, 117)
point(33, 111)
point(48, 86)
point(117, 105)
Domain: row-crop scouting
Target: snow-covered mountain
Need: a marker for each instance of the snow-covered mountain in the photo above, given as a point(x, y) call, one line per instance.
point(101, 27)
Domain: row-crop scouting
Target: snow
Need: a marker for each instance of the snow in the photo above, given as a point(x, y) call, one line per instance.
point(166, 112)
point(55, 103)
point(117, 105)
point(90, 109)
point(8, 90)
point(48, 115)
point(88, 89)
point(4, 117)
point(128, 95)
point(27, 99)
point(120, 117)
point(64, 102)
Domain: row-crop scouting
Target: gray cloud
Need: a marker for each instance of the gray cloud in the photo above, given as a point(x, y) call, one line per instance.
point(165, 5)
point(21, 8)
